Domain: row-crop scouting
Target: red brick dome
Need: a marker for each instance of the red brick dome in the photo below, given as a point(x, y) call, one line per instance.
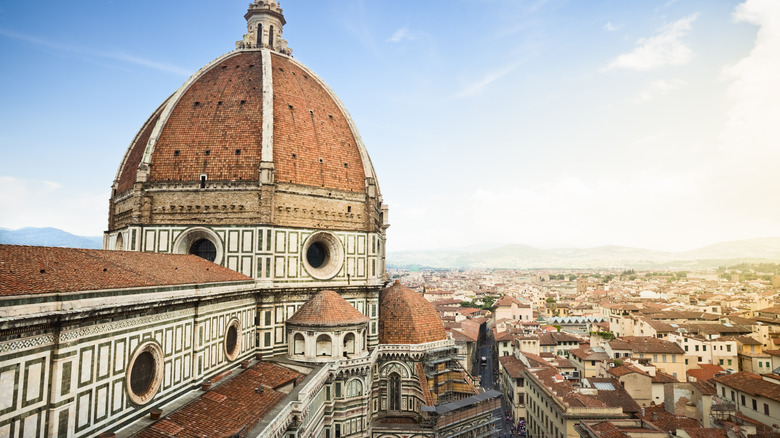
point(406, 317)
point(327, 308)
point(244, 108)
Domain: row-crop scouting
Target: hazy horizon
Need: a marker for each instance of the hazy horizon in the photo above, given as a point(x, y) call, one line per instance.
point(550, 123)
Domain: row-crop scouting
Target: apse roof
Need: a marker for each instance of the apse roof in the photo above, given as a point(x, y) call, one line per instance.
point(327, 308)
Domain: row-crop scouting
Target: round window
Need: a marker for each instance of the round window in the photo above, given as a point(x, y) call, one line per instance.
point(200, 241)
point(231, 339)
point(317, 255)
point(204, 249)
point(323, 255)
point(144, 373)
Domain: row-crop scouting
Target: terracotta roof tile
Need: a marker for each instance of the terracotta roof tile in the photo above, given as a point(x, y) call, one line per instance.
point(234, 406)
point(617, 398)
point(315, 130)
point(645, 344)
point(406, 317)
point(219, 113)
point(706, 432)
point(626, 369)
point(27, 270)
point(662, 377)
point(587, 353)
point(513, 366)
point(327, 308)
point(666, 420)
point(750, 383)
point(507, 301)
point(705, 372)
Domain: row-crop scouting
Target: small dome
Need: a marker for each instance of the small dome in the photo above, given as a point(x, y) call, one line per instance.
point(406, 317)
point(327, 308)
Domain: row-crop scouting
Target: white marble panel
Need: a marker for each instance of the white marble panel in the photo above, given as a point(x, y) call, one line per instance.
point(83, 409)
point(104, 358)
point(86, 366)
point(34, 381)
point(102, 401)
point(7, 389)
point(31, 426)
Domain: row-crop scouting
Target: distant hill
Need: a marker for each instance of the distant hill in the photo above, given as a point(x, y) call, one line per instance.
point(604, 257)
point(49, 237)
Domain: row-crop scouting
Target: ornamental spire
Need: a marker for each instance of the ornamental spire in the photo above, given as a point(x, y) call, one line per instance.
point(264, 22)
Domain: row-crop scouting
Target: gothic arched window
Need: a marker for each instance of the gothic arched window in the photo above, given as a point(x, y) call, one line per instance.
point(394, 392)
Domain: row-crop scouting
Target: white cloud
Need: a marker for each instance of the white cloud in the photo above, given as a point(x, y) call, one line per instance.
point(670, 3)
point(401, 35)
point(752, 130)
point(41, 203)
point(610, 27)
point(489, 77)
point(652, 209)
point(659, 87)
point(666, 48)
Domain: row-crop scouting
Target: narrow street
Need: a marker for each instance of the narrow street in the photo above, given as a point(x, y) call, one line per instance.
point(489, 379)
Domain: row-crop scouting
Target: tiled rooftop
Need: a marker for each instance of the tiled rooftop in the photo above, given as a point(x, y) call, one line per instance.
point(625, 369)
point(750, 383)
point(705, 372)
point(327, 308)
point(406, 317)
point(513, 366)
point(237, 405)
point(26, 270)
point(645, 344)
point(667, 421)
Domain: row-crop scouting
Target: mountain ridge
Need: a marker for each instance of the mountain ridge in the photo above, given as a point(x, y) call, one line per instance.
point(519, 256)
point(49, 236)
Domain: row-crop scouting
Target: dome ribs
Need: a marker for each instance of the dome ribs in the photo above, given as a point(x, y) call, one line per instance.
point(129, 168)
point(220, 113)
point(309, 124)
point(406, 317)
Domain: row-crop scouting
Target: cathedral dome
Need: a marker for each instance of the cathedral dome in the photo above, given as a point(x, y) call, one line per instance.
point(255, 164)
point(246, 108)
point(327, 308)
point(406, 317)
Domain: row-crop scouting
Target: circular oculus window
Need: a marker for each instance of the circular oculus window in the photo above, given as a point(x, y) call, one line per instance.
point(232, 334)
point(323, 255)
point(144, 373)
point(200, 241)
point(204, 249)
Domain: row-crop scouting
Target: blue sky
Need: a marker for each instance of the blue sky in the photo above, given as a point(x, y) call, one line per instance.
point(550, 123)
